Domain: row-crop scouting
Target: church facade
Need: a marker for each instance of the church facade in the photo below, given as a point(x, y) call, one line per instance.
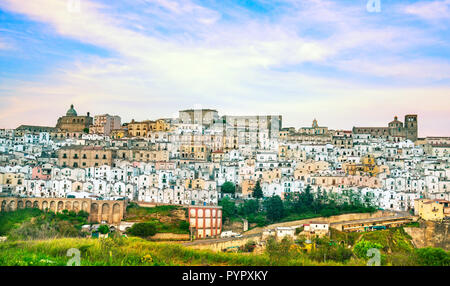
point(395, 129)
point(71, 122)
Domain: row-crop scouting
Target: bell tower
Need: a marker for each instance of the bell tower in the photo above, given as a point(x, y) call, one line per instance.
point(411, 128)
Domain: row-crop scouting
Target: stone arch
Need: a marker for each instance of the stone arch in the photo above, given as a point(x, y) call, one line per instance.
point(94, 212)
point(69, 206)
point(20, 204)
point(44, 205)
point(76, 206)
point(36, 204)
point(60, 206)
point(105, 212)
point(53, 206)
point(28, 204)
point(12, 206)
point(116, 213)
point(3, 206)
point(84, 206)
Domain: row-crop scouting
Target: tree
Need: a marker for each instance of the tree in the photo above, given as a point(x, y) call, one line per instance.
point(257, 191)
point(249, 207)
point(86, 130)
point(228, 188)
point(307, 198)
point(103, 229)
point(228, 208)
point(274, 208)
point(144, 229)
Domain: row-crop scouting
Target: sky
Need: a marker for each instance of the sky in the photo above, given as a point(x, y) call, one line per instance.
point(339, 61)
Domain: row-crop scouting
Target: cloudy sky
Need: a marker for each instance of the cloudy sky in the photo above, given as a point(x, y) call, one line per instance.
point(145, 59)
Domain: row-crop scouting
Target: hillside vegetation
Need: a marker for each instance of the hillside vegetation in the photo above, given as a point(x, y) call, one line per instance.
point(166, 219)
point(295, 206)
point(25, 224)
point(134, 252)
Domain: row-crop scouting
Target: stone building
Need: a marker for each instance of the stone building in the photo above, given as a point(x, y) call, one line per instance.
point(23, 129)
point(434, 210)
point(194, 152)
point(84, 156)
point(342, 139)
point(139, 129)
point(395, 128)
point(315, 129)
point(71, 122)
point(142, 155)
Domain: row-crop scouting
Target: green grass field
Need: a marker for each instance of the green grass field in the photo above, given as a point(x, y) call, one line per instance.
point(133, 252)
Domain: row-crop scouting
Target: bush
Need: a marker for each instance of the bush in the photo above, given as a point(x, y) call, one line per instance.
point(103, 229)
point(335, 253)
point(229, 210)
point(228, 188)
point(30, 231)
point(363, 246)
point(430, 256)
point(260, 220)
point(278, 251)
point(143, 230)
point(248, 247)
point(274, 208)
point(183, 226)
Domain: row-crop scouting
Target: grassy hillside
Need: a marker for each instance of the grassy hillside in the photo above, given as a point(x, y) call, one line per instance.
point(120, 251)
point(395, 247)
point(133, 252)
point(40, 238)
point(167, 219)
point(394, 240)
point(36, 224)
point(12, 220)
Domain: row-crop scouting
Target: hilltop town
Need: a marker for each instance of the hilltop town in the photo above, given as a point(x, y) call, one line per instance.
point(202, 161)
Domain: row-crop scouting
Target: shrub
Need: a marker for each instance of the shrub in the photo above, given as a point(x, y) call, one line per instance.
point(143, 230)
point(278, 251)
point(183, 226)
point(363, 246)
point(30, 231)
point(335, 253)
point(103, 229)
point(248, 247)
point(228, 188)
point(430, 256)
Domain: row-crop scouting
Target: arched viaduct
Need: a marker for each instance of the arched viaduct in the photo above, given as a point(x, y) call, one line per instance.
point(111, 212)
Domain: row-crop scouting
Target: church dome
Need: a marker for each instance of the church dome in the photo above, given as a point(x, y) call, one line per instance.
point(71, 111)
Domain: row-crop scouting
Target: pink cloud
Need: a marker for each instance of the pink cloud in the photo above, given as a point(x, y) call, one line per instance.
point(430, 10)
